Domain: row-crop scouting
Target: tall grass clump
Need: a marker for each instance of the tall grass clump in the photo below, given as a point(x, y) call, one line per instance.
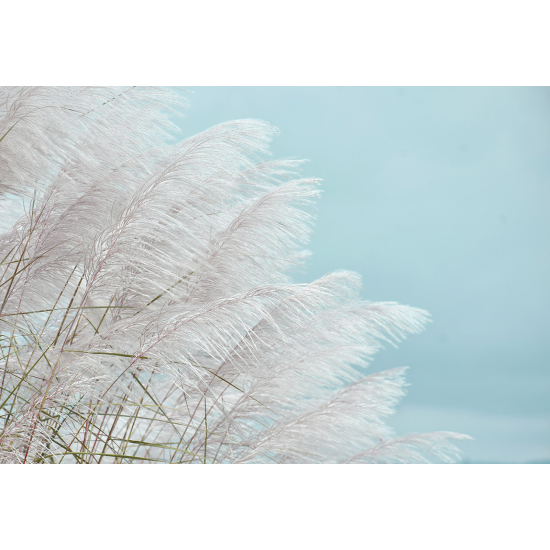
point(146, 310)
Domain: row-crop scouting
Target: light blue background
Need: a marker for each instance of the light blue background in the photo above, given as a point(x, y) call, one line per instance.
point(439, 198)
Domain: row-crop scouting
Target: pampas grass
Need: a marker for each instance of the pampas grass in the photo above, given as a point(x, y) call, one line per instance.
point(146, 308)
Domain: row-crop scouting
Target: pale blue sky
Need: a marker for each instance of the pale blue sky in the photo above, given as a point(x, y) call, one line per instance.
point(440, 199)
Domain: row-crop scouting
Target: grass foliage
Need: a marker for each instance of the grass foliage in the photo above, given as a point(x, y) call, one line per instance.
point(146, 308)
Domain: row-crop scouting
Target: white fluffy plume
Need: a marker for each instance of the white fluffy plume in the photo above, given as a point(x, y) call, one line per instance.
point(146, 308)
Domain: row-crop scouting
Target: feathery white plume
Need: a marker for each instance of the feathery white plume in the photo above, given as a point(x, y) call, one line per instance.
point(146, 309)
